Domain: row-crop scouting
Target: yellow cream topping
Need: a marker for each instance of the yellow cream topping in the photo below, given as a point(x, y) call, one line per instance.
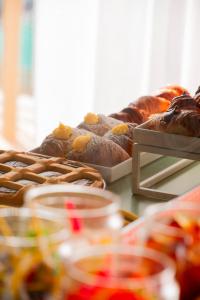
point(62, 132)
point(91, 119)
point(80, 143)
point(120, 129)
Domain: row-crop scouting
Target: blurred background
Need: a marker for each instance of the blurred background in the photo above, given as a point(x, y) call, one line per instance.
point(60, 59)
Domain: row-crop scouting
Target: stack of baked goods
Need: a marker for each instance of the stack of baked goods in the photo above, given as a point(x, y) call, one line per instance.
point(107, 140)
point(144, 107)
point(182, 116)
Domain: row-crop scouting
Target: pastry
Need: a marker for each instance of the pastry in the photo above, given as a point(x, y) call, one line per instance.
point(128, 217)
point(184, 102)
point(98, 124)
point(197, 97)
point(59, 142)
point(97, 150)
point(81, 145)
point(129, 114)
point(149, 105)
point(176, 121)
point(177, 88)
point(171, 91)
point(20, 170)
point(122, 135)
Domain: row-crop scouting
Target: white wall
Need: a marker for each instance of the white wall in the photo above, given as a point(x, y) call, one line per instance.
point(120, 53)
point(139, 49)
point(98, 55)
point(65, 44)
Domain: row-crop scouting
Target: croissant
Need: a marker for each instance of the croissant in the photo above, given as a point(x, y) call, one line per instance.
point(59, 142)
point(123, 136)
point(184, 102)
point(197, 97)
point(176, 121)
point(98, 124)
point(149, 105)
point(171, 91)
point(179, 89)
point(129, 114)
point(97, 150)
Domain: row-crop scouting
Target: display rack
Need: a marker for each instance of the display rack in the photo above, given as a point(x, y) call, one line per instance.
point(150, 141)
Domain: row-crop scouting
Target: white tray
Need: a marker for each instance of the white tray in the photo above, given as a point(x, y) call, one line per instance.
point(111, 174)
point(160, 143)
point(143, 135)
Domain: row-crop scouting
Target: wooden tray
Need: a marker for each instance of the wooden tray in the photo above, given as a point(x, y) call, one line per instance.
point(144, 135)
point(150, 141)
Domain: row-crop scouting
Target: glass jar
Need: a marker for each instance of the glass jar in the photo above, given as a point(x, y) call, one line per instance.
point(31, 264)
point(174, 229)
point(92, 215)
point(121, 273)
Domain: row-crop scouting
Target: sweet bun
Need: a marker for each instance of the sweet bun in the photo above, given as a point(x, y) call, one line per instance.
point(98, 123)
point(59, 142)
point(122, 135)
point(97, 150)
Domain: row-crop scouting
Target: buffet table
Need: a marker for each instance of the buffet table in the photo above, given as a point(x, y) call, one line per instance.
point(179, 183)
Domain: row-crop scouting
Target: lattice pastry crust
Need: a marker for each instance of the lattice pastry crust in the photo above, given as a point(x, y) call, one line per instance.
point(20, 170)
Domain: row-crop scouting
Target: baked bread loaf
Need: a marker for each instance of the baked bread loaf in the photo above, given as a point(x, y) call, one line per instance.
point(176, 121)
point(97, 150)
point(122, 135)
point(98, 124)
point(20, 170)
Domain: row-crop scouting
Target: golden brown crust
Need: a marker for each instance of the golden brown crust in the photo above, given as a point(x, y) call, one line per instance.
point(183, 122)
point(100, 151)
point(177, 88)
point(184, 102)
point(171, 91)
point(149, 105)
point(104, 124)
point(129, 114)
point(20, 170)
point(128, 217)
